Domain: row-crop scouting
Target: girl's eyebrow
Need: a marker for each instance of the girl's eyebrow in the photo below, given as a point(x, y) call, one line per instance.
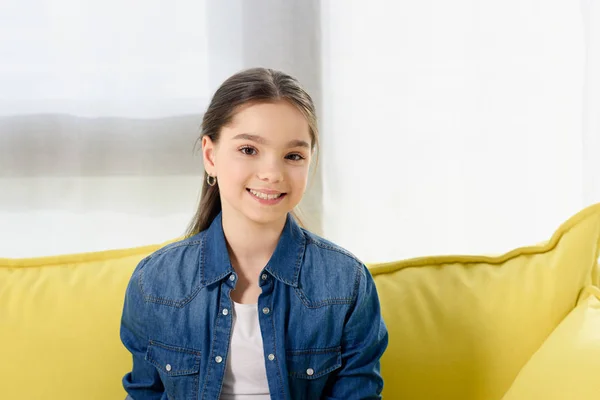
point(260, 140)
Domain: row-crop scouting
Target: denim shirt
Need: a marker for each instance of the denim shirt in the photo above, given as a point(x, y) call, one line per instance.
point(319, 316)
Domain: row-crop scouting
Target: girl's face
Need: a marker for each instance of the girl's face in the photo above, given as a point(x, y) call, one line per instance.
point(261, 161)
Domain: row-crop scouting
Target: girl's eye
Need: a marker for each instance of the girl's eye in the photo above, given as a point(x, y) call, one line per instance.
point(247, 150)
point(295, 157)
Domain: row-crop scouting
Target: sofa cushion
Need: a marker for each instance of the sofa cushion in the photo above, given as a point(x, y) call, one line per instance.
point(568, 363)
point(462, 327)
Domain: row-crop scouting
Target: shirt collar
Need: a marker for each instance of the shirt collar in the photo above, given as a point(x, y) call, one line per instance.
point(284, 265)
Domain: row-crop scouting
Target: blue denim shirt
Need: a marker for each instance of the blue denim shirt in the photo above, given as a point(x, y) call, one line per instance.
point(322, 330)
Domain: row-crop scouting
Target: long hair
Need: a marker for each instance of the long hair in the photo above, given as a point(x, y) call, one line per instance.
point(255, 85)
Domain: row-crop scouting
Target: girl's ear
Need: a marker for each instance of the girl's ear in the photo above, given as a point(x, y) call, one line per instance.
point(208, 155)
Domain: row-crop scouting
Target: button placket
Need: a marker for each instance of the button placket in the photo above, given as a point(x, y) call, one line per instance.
point(222, 336)
point(266, 316)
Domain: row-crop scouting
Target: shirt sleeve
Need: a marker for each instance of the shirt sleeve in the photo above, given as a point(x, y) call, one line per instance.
point(364, 341)
point(143, 381)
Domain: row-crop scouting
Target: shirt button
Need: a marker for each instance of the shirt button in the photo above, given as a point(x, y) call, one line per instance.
point(225, 311)
point(232, 277)
point(218, 359)
point(310, 372)
point(168, 367)
point(266, 310)
point(264, 277)
point(271, 357)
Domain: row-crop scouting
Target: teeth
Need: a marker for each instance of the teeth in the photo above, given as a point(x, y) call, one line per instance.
point(265, 196)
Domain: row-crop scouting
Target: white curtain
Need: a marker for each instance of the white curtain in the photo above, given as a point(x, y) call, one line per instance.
point(447, 127)
point(101, 103)
point(452, 127)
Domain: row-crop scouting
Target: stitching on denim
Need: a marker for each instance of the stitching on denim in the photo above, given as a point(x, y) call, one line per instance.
point(140, 282)
point(325, 350)
point(183, 302)
point(336, 365)
point(173, 246)
point(352, 309)
point(319, 374)
point(160, 300)
point(357, 280)
point(180, 350)
point(323, 303)
point(217, 278)
point(277, 360)
point(202, 258)
point(196, 382)
point(178, 372)
point(281, 278)
point(175, 348)
point(175, 303)
point(301, 251)
point(211, 352)
point(287, 282)
point(163, 300)
point(329, 247)
point(301, 296)
point(227, 350)
point(297, 265)
point(332, 301)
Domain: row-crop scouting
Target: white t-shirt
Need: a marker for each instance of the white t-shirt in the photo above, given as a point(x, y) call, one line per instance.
point(245, 373)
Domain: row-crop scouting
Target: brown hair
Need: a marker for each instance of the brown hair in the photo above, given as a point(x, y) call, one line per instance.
point(255, 85)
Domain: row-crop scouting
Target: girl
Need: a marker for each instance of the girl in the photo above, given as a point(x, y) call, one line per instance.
point(250, 305)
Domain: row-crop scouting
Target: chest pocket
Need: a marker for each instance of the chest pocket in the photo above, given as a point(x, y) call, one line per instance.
point(178, 368)
point(310, 370)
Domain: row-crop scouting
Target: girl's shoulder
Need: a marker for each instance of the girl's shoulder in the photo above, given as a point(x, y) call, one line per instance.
point(177, 245)
point(330, 274)
point(177, 259)
point(328, 248)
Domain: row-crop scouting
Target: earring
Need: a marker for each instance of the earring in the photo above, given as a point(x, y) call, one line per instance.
point(211, 180)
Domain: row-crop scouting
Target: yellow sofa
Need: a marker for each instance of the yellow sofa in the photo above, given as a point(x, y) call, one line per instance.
point(521, 326)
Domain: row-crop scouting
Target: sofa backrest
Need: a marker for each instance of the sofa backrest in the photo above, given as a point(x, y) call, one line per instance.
point(59, 324)
point(462, 327)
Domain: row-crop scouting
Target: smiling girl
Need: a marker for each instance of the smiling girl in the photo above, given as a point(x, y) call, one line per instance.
point(250, 305)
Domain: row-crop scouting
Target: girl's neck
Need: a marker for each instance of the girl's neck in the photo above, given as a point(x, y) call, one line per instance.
point(250, 244)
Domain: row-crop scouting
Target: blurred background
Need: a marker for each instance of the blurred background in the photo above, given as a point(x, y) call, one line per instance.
point(446, 127)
